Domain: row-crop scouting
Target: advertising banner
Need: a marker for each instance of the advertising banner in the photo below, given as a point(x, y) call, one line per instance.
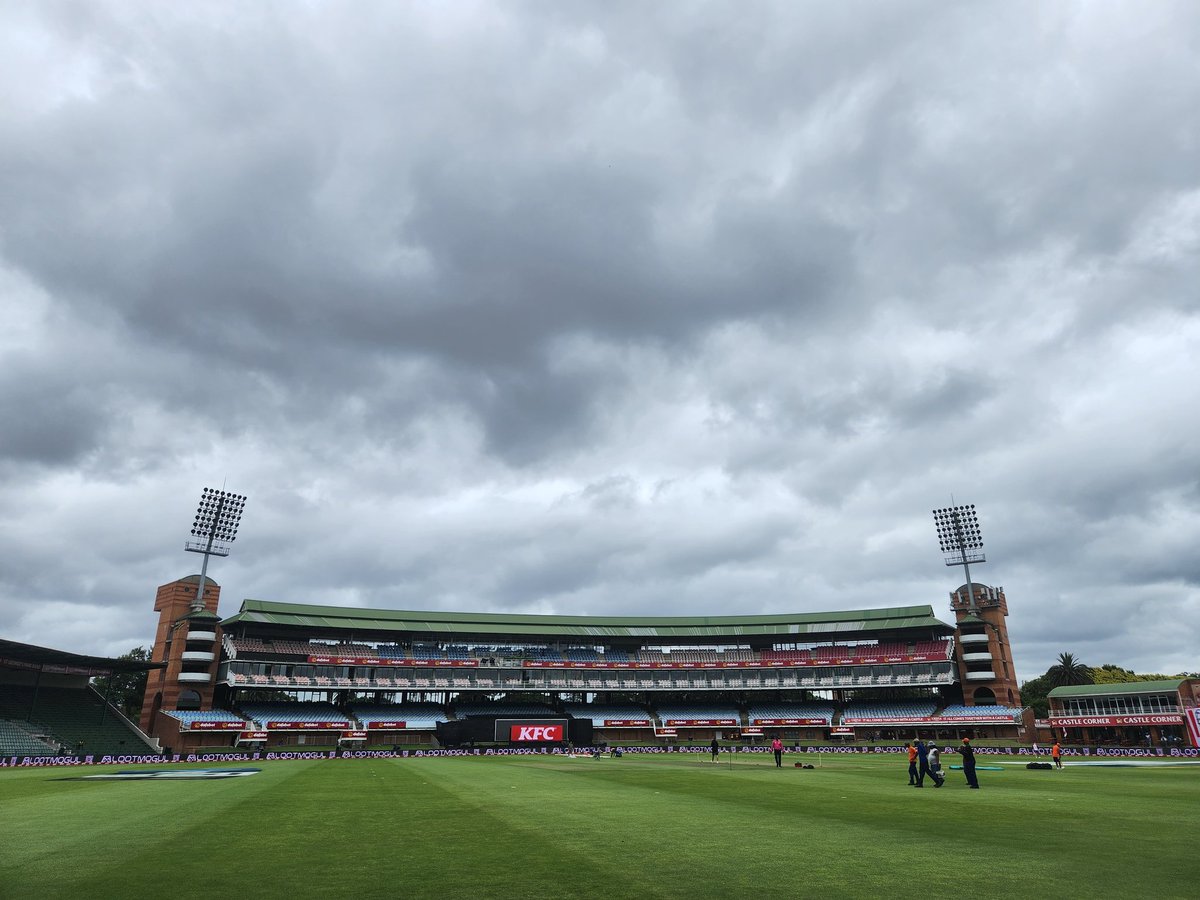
point(1106, 721)
point(389, 724)
point(214, 726)
point(388, 661)
point(535, 733)
point(306, 726)
point(798, 663)
point(1192, 718)
point(928, 720)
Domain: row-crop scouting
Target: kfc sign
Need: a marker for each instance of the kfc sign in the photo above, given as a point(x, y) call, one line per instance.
point(539, 733)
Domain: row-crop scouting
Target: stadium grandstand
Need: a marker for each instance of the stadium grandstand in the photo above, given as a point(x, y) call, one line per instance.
point(293, 674)
point(1140, 713)
point(49, 708)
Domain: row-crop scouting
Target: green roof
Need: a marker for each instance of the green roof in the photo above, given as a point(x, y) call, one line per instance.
point(1168, 686)
point(200, 614)
point(800, 626)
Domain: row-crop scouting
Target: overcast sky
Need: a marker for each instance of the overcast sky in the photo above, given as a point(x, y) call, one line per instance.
point(604, 308)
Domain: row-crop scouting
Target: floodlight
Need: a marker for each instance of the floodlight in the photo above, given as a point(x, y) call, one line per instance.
point(961, 540)
point(214, 529)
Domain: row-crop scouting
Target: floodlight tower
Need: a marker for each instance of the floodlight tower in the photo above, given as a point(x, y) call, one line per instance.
point(215, 528)
point(961, 542)
point(984, 657)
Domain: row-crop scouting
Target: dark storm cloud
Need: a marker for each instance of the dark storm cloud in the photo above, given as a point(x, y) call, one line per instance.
point(50, 419)
point(606, 309)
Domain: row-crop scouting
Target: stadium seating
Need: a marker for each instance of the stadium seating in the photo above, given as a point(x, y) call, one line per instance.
point(884, 711)
point(598, 713)
point(262, 713)
point(19, 739)
point(942, 649)
point(581, 654)
point(758, 712)
point(998, 711)
point(692, 712)
point(77, 718)
point(187, 717)
point(275, 648)
point(427, 652)
point(464, 710)
point(413, 715)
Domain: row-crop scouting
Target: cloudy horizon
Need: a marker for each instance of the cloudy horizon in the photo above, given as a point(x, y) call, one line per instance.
point(604, 310)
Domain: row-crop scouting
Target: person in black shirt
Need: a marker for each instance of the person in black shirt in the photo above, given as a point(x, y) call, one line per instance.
point(968, 758)
point(922, 762)
point(715, 748)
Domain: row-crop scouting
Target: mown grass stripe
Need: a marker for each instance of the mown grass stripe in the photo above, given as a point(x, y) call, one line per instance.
point(654, 826)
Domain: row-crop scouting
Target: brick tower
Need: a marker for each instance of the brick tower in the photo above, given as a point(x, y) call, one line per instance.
point(985, 665)
point(188, 641)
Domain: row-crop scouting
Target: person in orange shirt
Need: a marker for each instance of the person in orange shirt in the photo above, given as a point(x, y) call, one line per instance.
point(912, 763)
point(1056, 755)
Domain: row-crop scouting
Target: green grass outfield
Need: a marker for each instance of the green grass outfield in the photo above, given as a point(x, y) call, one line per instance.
point(641, 826)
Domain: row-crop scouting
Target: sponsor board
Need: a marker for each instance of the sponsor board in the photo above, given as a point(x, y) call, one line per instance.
point(927, 720)
point(626, 723)
point(354, 735)
point(386, 661)
point(698, 723)
point(307, 726)
point(1174, 753)
point(535, 733)
point(1103, 721)
point(393, 723)
point(214, 726)
point(252, 736)
point(798, 663)
point(1192, 718)
point(791, 721)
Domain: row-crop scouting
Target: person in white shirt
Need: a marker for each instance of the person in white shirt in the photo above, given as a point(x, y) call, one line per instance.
point(935, 764)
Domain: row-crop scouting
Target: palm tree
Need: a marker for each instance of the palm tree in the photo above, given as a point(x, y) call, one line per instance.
point(1068, 670)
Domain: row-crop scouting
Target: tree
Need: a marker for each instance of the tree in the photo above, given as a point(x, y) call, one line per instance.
point(1111, 674)
point(1033, 694)
point(1068, 670)
point(125, 689)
